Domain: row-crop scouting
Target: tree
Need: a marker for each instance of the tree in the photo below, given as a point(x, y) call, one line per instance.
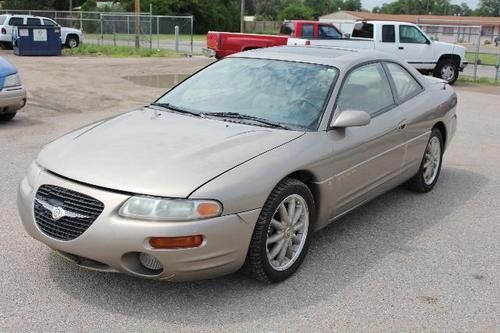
point(489, 8)
point(296, 11)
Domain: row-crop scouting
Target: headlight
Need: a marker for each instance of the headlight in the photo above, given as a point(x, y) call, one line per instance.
point(159, 209)
point(33, 173)
point(12, 81)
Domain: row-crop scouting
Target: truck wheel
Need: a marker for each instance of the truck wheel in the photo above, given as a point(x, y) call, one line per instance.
point(7, 116)
point(446, 70)
point(71, 42)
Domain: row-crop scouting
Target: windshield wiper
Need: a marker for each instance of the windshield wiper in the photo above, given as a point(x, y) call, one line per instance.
point(236, 115)
point(176, 109)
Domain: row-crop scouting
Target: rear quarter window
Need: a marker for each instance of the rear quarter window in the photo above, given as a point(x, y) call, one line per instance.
point(2, 19)
point(363, 30)
point(16, 21)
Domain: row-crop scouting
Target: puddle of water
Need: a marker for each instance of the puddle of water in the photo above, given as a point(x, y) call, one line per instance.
point(157, 81)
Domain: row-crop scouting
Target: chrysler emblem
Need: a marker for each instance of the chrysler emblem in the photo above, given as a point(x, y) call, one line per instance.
point(58, 213)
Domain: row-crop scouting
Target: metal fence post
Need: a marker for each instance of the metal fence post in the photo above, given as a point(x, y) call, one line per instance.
point(476, 56)
point(176, 32)
point(192, 33)
point(497, 67)
point(81, 21)
point(102, 33)
point(158, 30)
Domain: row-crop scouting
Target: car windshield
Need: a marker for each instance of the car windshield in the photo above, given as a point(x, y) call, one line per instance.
point(282, 92)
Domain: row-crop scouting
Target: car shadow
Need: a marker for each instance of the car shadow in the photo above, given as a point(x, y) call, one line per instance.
point(340, 254)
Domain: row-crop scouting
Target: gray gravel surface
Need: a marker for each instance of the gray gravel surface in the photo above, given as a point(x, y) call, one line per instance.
point(404, 262)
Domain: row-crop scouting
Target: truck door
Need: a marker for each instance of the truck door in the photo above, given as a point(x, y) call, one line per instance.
point(386, 41)
point(414, 47)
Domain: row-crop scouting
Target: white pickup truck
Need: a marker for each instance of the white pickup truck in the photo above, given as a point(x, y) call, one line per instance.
point(443, 60)
point(70, 37)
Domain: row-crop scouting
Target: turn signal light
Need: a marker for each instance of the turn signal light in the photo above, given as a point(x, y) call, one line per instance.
point(184, 242)
point(208, 209)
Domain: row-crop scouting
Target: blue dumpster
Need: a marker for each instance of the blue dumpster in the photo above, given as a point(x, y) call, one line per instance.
point(36, 40)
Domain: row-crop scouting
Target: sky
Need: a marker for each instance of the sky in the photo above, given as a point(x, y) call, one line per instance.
point(369, 4)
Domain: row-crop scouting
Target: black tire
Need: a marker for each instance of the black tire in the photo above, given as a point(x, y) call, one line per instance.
point(449, 64)
point(72, 41)
point(417, 183)
point(7, 116)
point(257, 264)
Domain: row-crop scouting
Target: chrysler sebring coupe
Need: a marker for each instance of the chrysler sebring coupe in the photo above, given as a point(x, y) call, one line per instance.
point(237, 166)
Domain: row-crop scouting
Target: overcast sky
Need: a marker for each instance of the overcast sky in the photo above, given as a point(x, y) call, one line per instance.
point(369, 4)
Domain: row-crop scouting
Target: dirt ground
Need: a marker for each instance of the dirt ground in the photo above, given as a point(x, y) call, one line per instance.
point(92, 84)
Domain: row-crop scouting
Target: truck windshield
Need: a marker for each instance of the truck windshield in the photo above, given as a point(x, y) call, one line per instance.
point(282, 92)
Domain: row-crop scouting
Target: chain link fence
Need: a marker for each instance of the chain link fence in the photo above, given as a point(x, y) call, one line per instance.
point(125, 29)
point(482, 53)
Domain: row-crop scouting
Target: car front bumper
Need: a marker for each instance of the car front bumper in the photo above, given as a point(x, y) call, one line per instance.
point(112, 243)
point(12, 99)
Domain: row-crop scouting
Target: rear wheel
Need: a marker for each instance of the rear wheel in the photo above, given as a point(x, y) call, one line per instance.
point(282, 234)
point(7, 116)
point(430, 167)
point(447, 70)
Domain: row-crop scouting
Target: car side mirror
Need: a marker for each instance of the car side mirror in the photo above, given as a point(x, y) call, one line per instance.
point(351, 118)
point(428, 42)
point(347, 36)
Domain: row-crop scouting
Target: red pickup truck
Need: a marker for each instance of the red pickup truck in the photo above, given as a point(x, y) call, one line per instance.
point(222, 44)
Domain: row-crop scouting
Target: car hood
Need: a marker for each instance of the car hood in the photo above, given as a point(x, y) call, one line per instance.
point(71, 30)
point(6, 68)
point(157, 153)
point(450, 48)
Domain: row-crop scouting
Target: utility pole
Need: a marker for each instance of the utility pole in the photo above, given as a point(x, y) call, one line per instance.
point(137, 22)
point(242, 21)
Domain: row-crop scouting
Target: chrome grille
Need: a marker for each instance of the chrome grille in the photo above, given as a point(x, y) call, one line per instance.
point(80, 212)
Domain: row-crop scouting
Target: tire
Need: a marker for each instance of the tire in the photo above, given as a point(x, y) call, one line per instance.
point(258, 263)
point(420, 182)
point(447, 70)
point(72, 41)
point(7, 116)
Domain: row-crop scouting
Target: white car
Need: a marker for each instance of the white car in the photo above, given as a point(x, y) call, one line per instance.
point(70, 37)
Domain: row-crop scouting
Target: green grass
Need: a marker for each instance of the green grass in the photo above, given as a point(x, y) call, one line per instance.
point(485, 58)
point(155, 37)
point(118, 51)
point(480, 80)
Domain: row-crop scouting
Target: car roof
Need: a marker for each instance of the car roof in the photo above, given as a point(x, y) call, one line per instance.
point(342, 58)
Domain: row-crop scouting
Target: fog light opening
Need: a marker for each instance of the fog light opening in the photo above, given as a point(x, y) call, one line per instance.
point(150, 262)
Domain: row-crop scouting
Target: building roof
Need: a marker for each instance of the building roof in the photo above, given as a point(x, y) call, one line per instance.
point(421, 19)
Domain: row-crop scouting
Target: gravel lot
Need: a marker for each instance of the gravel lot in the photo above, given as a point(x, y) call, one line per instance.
point(404, 262)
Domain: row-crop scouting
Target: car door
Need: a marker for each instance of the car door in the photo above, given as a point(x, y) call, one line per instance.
point(14, 21)
point(387, 40)
point(413, 46)
point(369, 156)
point(411, 102)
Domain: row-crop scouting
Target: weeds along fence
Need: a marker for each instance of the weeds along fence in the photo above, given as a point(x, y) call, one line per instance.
point(124, 29)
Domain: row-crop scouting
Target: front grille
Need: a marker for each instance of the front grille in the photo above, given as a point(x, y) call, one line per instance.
point(78, 212)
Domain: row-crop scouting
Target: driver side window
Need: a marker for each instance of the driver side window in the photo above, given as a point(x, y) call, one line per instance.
point(367, 89)
point(410, 34)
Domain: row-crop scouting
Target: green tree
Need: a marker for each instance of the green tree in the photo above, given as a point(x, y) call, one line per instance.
point(296, 11)
point(489, 8)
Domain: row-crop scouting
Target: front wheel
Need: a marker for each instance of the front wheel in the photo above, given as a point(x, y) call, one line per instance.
point(7, 116)
point(430, 167)
point(447, 70)
point(282, 234)
point(71, 42)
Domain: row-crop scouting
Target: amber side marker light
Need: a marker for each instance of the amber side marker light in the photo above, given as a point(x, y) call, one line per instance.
point(184, 242)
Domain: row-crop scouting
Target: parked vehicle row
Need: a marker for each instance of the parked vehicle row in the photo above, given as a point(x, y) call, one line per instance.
point(406, 40)
point(236, 166)
point(70, 37)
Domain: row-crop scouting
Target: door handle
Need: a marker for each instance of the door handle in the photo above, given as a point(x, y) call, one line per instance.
point(402, 125)
point(401, 48)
